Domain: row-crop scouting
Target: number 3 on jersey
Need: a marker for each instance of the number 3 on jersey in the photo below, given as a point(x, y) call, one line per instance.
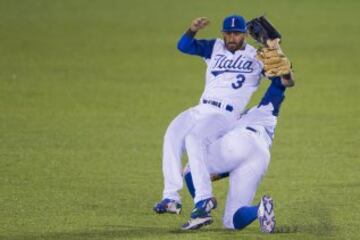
point(238, 84)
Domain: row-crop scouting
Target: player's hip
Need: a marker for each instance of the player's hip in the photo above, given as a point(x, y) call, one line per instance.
point(227, 108)
point(261, 134)
point(238, 147)
point(206, 109)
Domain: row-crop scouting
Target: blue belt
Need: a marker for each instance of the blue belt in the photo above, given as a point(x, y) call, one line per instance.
point(218, 104)
point(251, 129)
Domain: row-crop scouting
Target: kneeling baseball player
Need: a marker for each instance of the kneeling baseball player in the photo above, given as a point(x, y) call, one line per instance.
point(242, 153)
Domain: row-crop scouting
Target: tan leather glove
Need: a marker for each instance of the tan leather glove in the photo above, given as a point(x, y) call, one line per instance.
point(275, 62)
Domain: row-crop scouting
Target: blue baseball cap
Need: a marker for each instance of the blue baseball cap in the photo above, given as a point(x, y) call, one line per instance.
point(234, 23)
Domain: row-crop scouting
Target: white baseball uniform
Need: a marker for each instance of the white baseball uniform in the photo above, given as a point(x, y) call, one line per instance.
point(244, 151)
point(231, 79)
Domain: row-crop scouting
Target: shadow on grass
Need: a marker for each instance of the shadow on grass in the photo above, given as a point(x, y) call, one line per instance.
point(320, 230)
point(131, 232)
point(112, 232)
point(322, 227)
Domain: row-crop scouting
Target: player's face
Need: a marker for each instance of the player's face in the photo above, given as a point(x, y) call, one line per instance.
point(234, 40)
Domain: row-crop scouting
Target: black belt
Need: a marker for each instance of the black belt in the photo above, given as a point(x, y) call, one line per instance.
point(251, 129)
point(218, 104)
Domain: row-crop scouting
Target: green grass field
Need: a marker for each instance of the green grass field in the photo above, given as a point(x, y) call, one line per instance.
point(87, 89)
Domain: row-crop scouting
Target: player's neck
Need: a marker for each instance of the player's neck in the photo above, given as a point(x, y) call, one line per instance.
point(241, 48)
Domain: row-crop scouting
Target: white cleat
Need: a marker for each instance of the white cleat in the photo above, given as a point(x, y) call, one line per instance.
point(196, 223)
point(266, 215)
point(200, 215)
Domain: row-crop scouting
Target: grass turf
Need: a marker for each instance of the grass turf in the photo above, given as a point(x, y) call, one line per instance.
point(87, 89)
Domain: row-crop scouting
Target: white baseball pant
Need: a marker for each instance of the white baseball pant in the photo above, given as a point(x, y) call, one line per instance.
point(192, 130)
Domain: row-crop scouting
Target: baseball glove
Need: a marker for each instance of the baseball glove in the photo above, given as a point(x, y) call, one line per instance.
point(274, 60)
point(261, 30)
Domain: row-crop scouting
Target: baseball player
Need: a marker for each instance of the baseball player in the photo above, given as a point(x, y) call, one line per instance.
point(233, 74)
point(243, 155)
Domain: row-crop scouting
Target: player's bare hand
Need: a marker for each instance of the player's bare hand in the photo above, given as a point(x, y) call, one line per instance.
point(199, 23)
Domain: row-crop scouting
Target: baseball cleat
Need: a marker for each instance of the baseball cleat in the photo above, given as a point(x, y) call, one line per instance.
point(200, 215)
point(168, 206)
point(266, 215)
point(196, 223)
point(203, 207)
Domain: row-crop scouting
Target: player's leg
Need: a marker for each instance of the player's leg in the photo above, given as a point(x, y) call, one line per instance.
point(173, 149)
point(197, 142)
point(189, 182)
point(239, 212)
point(244, 181)
point(242, 152)
point(231, 150)
point(223, 155)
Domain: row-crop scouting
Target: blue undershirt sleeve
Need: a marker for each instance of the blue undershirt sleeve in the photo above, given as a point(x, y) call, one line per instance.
point(274, 95)
point(189, 45)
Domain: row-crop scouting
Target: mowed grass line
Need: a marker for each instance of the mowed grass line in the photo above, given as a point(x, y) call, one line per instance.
point(87, 89)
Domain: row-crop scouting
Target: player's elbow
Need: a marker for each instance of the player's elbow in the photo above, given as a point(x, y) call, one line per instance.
point(182, 47)
point(186, 45)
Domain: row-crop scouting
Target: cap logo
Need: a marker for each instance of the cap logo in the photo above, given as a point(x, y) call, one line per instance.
point(233, 22)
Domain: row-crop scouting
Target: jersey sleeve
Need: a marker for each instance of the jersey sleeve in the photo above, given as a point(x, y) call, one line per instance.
point(274, 95)
point(189, 45)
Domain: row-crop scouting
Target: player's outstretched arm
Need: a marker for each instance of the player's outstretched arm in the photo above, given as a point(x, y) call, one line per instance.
point(274, 95)
point(275, 62)
point(199, 23)
point(189, 45)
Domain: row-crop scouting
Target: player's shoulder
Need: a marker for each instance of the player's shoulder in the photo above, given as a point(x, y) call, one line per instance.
point(219, 45)
point(250, 50)
point(219, 42)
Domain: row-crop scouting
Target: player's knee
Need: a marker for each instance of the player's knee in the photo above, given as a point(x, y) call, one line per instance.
point(239, 221)
point(228, 222)
point(244, 216)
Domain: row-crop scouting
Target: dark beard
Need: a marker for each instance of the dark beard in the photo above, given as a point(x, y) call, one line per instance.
point(232, 47)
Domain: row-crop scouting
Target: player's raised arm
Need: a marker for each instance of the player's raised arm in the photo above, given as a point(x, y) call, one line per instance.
point(189, 45)
point(199, 23)
point(276, 63)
